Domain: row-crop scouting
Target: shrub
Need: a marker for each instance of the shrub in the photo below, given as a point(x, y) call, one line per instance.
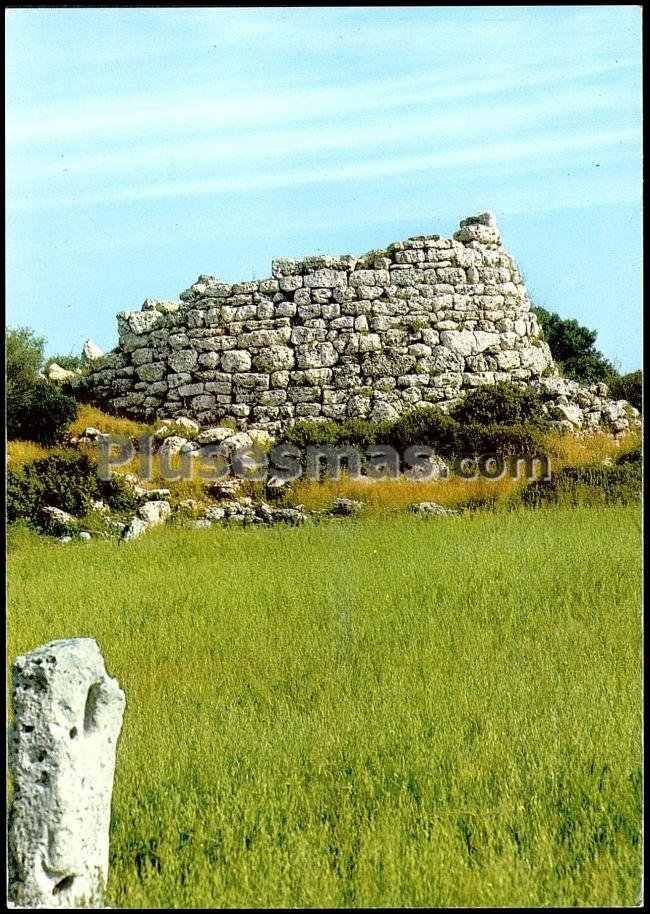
point(618, 484)
point(499, 440)
point(572, 347)
point(68, 481)
point(69, 362)
point(42, 414)
point(425, 425)
point(628, 387)
point(503, 403)
point(24, 359)
point(361, 433)
point(37, 409)
point(305, 433)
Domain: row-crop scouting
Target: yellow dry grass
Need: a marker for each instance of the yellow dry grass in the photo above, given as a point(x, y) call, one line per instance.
point(21, 452)
point(193, 487)
point(571, 450)
point(393, 494)
point(91, 416)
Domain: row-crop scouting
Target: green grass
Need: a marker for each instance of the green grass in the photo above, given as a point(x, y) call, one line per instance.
point(364, 713)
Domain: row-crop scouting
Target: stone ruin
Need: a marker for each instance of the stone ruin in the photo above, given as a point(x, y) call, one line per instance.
point(420, 322)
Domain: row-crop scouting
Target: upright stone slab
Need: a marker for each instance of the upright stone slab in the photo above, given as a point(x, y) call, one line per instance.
point(67, 719)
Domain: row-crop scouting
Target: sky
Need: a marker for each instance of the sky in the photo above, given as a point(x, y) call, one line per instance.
point(147, 146)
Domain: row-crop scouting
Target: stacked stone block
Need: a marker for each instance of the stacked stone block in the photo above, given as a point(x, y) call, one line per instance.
point(421, 322)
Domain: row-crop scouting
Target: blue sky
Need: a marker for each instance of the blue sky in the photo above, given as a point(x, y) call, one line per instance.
point(147, 146)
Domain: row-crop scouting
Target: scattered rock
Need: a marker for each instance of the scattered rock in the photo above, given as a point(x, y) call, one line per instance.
point(429, 509)
point(91, 351)
point(189, 504)
point(116, 525)
point(568, 413)
point(84, 535)
point(346, 507)
point(151, 494)
point(224, 488)
point(58, 516)
point(154, 513)
point(57, 373)
point(293, 516)
point(134, 529)
point(214, 435)
point(172, 446)
point(274, 487)
point(192, 447)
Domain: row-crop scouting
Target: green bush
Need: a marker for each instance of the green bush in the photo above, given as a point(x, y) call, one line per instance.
point(618, 484)
point(503, 403)
point(431, 427)
point(628, 387)
point(424, 425)
point(305, 433)
point(499, 440)
point(358, 432)
point(43, 414)
point(37, 409)
point(69, 362)
point(572, 347)
point(68, 481)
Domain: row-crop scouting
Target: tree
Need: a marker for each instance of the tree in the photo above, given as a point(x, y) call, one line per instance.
point(572, 347)
point(37, 409)
point(24, 359)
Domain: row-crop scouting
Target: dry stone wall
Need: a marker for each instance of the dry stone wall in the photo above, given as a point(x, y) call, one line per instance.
point(420, 322)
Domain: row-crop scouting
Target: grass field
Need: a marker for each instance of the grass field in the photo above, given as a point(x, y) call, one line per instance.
point(364, 713)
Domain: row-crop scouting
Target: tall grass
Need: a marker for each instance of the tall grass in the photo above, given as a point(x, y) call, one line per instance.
point(395, 494)
point(587, 450)
point(364, 713)
point(93, 417)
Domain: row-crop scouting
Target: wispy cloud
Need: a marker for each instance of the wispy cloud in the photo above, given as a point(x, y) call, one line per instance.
point(428, 124)
point(136, 113)
point(495, 154)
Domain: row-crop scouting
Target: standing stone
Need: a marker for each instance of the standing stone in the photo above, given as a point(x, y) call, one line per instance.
point(67, 719)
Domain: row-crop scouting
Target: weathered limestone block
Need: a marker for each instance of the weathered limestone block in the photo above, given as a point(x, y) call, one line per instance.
point(152, 371)
point(183, 360)
point(172, 446)
point(67, 719)
point(275, 358)
point(155, 512)
point(326, 279)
